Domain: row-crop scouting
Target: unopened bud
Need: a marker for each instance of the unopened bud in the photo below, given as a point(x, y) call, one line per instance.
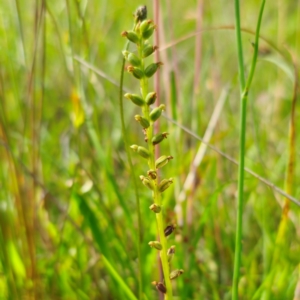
point(155, 244)
point(155, 208)
point(141, 13)
point(145, 25)
point(152, 68)
point(140, 150)
point(169, 229)
point(136, 99)
point(147, 33)
point(150, 98)
point(136, 72)
point(143, 121)
point(159, 137)
point(164, 184)
point(176, 273)
point(148, 50)
point(132, 58)
point(147, 182)
point(160, 287)
point(156, 112)
point(131, 36)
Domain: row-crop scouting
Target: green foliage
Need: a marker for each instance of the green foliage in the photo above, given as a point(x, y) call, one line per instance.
point(68, 215)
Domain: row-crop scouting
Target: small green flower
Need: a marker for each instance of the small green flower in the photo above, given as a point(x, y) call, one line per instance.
point(155, 244)
point(143, 121)
point(150, 98)
point(136, 72)
point(147, 182)
point(132, 58)
point(131, 36)
point(136, 99)
point(146, 25)
point(164, 184)
point(162, 161)
point(176, 273)
point(156, 112)
point(141, 151)
point(148, 30)
point(148, 50)
point(170, 253)
point(159, 137)
point(152, 68)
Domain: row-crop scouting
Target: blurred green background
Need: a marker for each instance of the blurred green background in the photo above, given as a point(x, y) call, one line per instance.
point(68, 221)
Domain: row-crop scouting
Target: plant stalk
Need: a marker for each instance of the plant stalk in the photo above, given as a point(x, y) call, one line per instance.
point(243, 116)
point(140, 238)
point(156, 193)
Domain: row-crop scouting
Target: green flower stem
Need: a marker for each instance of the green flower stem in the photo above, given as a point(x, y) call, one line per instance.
point(244, 98)
point(156, 194)
point(163, 252)
point(159, 217)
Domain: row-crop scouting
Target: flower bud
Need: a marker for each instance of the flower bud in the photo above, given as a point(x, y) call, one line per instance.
point(149, 31)
point(145, 25)
point(164, 184)
point(152, 68)
point(140, 150)
point(141, 13)
point(150, 98)
point(169, 229)
point(152, 174)
point(176, 273)
point(157, 245)
point(136, 99)
point(147, 182)
point(143, 121)
point(156, 112)
point(170, 253)
point(132, 58)
point(155, 208)
point(159, 137)
point(148, 50)
point(131, 36)
point(136, 72)
point(160, 287)
point(162, 161)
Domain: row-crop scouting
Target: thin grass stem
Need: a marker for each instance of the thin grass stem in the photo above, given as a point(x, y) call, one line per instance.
point(243, 116)
point(140, 238)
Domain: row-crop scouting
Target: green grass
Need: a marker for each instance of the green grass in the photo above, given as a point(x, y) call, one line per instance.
point(68, 211)
point(245, 89)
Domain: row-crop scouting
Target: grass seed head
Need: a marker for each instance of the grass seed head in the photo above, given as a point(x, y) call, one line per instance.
point(169, 229)
point(160, 287)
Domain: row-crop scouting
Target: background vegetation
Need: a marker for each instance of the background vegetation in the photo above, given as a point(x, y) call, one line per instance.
point(68, 222)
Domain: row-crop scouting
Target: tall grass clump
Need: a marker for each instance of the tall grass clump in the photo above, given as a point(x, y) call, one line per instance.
point(142, 31)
